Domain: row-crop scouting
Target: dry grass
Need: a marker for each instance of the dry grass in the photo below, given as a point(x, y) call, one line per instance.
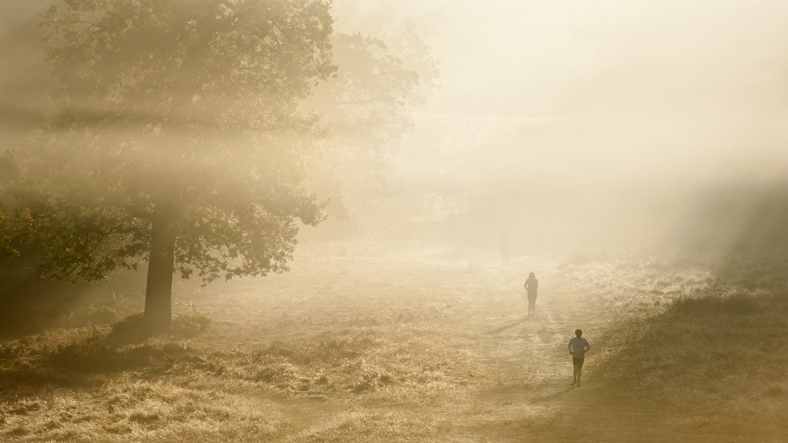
point(713, 359)
point(358, 347)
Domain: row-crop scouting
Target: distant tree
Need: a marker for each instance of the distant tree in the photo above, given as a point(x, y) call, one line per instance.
point(178, 139)
point(383, 74)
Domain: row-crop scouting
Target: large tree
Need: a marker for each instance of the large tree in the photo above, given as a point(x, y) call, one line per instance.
point(185, 132)
point(178, 139)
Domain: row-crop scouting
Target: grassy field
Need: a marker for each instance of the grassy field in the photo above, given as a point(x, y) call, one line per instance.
point(356, 346)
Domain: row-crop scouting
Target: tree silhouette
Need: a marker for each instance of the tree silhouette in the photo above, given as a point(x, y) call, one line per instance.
point(186, 132)
point(178, 139)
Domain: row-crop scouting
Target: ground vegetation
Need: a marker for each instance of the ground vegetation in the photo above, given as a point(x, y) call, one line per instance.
point(358, 345)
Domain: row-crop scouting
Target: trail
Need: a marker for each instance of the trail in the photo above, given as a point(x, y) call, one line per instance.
point(524, 393)
point(533, 396)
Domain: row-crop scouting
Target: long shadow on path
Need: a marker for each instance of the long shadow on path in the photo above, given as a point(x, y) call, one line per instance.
point(505, 327)
point(551, 396)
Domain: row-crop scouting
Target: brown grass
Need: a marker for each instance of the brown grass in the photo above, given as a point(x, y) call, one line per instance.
point(402, 348)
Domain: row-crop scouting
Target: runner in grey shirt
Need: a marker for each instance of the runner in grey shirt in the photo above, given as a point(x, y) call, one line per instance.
point(578, 347)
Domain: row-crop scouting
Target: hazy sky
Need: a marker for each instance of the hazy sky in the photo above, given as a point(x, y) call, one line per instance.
point(672, 95)
point(531, 56)
point(641, 88)
point(661, 88)
point(614, 105)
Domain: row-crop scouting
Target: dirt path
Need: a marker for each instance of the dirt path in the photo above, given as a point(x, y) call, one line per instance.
point(533, 399)
point(527, 357)
point(525, 393)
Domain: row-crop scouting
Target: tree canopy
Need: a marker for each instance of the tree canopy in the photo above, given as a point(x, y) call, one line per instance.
point(183, 136)
point(184, 104)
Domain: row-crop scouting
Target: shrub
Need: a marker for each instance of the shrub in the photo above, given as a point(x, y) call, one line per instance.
point(128, 330)
point(713, 304)
point(132, 330)
point(89, 353)
point(187, 326)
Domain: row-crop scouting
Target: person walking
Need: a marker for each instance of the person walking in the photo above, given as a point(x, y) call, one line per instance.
point(578, 346)
point(530, 287)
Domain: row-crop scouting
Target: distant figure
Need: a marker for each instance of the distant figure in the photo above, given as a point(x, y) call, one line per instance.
point(578, 347)
point(504, 249)
point(530, 287)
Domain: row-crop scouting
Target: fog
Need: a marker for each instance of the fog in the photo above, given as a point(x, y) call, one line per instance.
point(574, 124)
point(354, 191)
point(579, 125)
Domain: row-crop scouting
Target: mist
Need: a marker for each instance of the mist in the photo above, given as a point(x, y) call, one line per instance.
point(368, 220)
point(610, 125)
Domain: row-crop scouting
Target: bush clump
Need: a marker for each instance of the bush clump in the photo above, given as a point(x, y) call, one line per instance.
point(128, 330)
point(132, 329)
point(187, 326)
point(90, 352)
point(735, 304)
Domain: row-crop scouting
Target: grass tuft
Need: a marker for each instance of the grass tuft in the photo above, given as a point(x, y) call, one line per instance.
point(132, 330)
point(128, 330)
point(188, 326)
point(708, 304)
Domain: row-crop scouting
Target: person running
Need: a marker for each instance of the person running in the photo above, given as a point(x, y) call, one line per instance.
point(530, 287)
point(578, 346)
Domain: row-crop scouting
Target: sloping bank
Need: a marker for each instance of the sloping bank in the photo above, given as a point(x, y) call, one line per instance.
point(714, 361)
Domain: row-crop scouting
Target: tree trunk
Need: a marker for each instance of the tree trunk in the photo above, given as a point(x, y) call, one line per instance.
point(158, 293)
